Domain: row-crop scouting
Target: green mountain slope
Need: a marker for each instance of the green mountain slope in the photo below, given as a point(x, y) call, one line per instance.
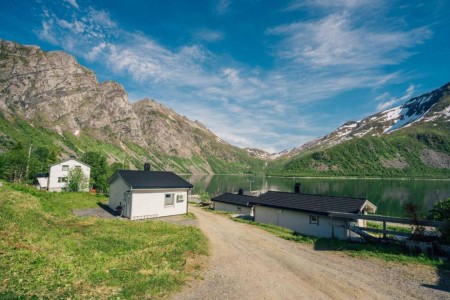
point(418, 151)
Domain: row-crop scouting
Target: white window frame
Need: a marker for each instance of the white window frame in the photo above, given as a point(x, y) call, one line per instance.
point(314, 219)
point(180, 198)
point(171, 195)
point(63, 179)
point(65, 168)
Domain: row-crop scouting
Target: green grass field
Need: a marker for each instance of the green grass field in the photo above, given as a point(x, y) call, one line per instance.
point(46, 252)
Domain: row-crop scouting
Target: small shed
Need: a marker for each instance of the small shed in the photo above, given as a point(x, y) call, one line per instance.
point(41, 181)
point(148, 194)
point(235, 203)
point(309, 214)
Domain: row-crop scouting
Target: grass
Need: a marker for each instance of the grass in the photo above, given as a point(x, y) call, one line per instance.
point(45, 252)
point(390, 253)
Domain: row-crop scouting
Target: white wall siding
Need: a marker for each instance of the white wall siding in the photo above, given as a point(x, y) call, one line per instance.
point(56, 171)
point(300, 222)
point(150, 203)
point(234, 208)
point(117, 191)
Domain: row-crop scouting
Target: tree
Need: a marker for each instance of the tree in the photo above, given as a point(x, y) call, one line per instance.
point(441, 212)
point(99, 169)
point(205, 198)
point(77, 181)
point(412, 212)
point(13, 164)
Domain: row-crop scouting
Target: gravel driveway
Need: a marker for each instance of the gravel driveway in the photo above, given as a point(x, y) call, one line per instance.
point(249, 263)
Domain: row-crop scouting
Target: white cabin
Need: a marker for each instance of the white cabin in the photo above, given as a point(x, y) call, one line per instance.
point(58, 176)
point(148, 194)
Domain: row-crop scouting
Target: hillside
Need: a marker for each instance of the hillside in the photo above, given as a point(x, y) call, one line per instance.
point(49, 99)
point(410, 140)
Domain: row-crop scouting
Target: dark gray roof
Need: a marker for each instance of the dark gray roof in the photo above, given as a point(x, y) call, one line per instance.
point(310, 203)
point(151, 179)
point(237, 199)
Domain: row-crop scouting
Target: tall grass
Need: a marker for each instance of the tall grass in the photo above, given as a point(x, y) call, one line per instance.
point(46, 252)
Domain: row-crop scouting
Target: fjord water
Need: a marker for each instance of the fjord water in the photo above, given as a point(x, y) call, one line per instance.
point(389, 195)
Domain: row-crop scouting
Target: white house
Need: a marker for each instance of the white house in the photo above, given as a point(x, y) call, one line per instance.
point(148, 194)
point(58, 176)
point(235, 203)
point(309, 214)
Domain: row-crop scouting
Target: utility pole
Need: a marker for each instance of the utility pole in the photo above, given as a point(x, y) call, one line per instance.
point(28, 161)
point(251, 185)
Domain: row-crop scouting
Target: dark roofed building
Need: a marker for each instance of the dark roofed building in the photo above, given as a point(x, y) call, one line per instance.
point(309, 214)
point(318, 204)
point(138, 179)
point(237, 203)
point(304, 213)
point(138, 194)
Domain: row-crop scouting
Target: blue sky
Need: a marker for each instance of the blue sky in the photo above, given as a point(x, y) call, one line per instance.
point(265, 74)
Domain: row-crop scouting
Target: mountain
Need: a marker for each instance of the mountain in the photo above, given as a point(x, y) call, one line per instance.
point(51, 96)
point(412, 139)
point(429, 107)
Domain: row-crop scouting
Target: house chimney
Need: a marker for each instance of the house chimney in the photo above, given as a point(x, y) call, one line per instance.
point(147, 167)
point(72, 157)
point(298, 188)
point(241, 192)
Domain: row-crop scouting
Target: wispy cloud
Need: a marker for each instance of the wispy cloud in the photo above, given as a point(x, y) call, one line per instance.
point(222, 6)
point(387, 101)
point(73, 3)
point(208, 35)
point(335, 41)
point(246, 105)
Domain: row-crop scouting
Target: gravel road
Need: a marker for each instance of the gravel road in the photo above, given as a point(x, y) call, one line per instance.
point(249, 263)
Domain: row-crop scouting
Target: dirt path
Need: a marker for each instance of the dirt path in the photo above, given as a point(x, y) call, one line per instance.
point(249, 263)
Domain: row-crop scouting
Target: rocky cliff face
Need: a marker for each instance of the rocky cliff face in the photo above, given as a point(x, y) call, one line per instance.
point(52, 90)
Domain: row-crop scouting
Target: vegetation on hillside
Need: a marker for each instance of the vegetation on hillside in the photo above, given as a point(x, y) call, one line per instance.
point(47, 148)
point(46, 252)
point(399, 154)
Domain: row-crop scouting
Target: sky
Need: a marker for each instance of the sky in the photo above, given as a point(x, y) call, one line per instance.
point(263, 74)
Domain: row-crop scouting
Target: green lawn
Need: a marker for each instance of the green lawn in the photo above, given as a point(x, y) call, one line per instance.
point(45, 252)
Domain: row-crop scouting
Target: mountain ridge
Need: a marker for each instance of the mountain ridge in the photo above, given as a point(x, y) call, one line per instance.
point(52, 90)
point(417, 109)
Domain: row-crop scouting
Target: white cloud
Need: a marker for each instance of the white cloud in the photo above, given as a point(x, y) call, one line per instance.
point(208, 35)
point(222, 6)
point(335, 41)
point(327, 4)
point(73, 3)
point(387, 101)
point(245, 105)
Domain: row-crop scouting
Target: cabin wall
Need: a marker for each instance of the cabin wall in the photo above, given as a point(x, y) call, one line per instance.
point(118, 196)
point(301, 222)
point(234, 208)
point(151, 203)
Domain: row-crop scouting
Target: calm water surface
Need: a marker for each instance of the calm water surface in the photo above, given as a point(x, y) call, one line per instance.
point(388, 195)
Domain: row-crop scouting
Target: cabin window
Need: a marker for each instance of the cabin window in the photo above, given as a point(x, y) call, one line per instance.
point(78, 167)
point(313, 219)
point(62, 179)
point(65, 168)
point(168, 200)
point(180, 198)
